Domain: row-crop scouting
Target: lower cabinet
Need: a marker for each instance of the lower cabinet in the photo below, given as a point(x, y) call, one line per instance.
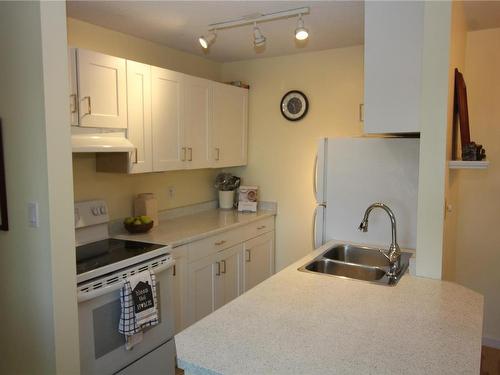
point(259, 259)
point(202, 285)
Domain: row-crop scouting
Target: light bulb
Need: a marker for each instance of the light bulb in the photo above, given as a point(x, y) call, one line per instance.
point(301, 32)
point(205, 41)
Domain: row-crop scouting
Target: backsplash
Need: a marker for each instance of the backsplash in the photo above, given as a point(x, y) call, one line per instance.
point(119, 190)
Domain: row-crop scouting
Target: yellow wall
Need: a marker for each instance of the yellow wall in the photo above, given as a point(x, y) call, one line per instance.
point(119, 189)
point(478, 239)
point(457, 60)
point(281, 153)
point(37, 265)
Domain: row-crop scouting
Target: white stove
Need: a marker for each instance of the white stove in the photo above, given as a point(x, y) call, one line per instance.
point(103, 264)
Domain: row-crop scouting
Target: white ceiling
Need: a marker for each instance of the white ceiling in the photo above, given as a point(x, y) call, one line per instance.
point(482, 14)
point(178, 24)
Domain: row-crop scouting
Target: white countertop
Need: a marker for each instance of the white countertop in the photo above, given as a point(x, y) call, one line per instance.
point(303, 323)
point(188, 228)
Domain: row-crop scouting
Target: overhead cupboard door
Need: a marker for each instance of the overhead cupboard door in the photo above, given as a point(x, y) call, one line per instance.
point(167, 89)
point(102, 90)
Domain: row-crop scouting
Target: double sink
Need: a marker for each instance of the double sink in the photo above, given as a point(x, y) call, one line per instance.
point(359, 263)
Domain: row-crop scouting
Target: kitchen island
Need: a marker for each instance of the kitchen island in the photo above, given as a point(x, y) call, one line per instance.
point(304, 323)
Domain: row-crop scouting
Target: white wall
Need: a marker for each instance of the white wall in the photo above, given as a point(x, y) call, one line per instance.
point(477, 235)
point(281, 153)
point(37, 265)
point(433, 135)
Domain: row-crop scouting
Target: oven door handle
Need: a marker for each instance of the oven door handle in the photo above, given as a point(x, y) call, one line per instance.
point(85, 296)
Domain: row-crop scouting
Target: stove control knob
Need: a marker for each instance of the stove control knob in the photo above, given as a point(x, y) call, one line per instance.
point(102, 210)
point(95, 211)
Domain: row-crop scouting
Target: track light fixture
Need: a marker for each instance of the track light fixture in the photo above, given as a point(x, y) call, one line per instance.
point(259, 39)
point(205, 41)
point(301, 32)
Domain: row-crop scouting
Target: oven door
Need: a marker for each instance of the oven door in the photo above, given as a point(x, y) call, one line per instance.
point(102, 347)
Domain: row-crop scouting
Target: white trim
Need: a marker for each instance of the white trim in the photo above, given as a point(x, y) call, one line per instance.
point(461, 164)
point(491, 342)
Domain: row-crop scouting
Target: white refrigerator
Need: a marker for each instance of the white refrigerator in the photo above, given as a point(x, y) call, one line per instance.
point(352, 173)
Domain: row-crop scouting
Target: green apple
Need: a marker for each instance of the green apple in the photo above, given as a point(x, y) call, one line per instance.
point(145, 219)
point(137, 222)
point(129, 220)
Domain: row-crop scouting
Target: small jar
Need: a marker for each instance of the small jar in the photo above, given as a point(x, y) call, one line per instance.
point(146, 204)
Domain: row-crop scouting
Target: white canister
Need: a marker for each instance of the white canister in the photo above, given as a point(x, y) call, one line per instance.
point(146, 204)
point(226, 199)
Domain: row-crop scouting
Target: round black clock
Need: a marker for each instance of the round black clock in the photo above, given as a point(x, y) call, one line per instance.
point(294, 105)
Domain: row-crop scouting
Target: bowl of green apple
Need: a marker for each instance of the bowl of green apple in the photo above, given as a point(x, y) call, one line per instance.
point(138, 224)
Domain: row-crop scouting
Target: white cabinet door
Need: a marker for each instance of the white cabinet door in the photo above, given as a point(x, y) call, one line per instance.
point(201, 289)
point(139, 116)
point(73, 88)
point(167, 112)
point(180, 276)
point(259, 259)
point(101, 90)
point(229, 125)
point(197, 116)
point(393, 66)
point(228, 284)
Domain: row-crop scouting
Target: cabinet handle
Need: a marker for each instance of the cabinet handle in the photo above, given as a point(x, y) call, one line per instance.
point(190, 154)
point(261, 227)
point(183, 158)
point(136, 162)
point(218, 243)
point(224, 263)
point(218, 154)
point(361, 112)
point(89, 105)
point(73, 103)
point(218, 269)
point(175, 271)
point(249, 252)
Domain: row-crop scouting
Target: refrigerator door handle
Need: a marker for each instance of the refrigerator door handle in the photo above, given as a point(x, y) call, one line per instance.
point(315, 177)
point(314, 226)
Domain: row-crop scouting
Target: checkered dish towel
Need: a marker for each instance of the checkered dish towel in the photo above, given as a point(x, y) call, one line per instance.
point(130, 324)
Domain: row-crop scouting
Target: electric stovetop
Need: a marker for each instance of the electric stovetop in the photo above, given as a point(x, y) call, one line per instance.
point(101, 257)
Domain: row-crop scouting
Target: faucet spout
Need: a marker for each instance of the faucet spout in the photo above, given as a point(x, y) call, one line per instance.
point(394, 253)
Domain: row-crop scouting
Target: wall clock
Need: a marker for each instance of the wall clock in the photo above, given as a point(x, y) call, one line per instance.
point(294, 105)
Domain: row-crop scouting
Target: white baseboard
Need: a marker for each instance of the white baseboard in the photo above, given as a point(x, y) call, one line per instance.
point(491, 342)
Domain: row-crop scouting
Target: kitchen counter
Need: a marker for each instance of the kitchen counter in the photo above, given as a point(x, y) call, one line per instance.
point(303, 323)
point(191, 227)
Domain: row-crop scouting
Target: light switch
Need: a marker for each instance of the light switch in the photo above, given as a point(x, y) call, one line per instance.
point(33, 215)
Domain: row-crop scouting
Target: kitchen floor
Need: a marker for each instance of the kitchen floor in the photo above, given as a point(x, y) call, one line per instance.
point(490, 361)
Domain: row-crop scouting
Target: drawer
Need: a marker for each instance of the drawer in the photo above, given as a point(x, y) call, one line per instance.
point(258, 227)
point(213, 244)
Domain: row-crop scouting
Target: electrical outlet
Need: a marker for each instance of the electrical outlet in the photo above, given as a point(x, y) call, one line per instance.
point(33, 219)
point(171, 192)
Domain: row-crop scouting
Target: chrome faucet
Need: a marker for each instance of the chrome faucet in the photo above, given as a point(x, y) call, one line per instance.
point(394, 253)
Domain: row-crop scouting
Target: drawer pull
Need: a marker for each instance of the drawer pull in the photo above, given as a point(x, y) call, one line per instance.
point(249, 258)
point(175, 271)
point(261, 227)
point(218, 243)
point(224, 264)
point(218, 269)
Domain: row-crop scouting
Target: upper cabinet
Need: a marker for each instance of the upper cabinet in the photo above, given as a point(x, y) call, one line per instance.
point(139, 117)
point(175, 121)
point(393, 66)
point(167, 111)
point(197, 121)
point(102, 90)
point(229, 129)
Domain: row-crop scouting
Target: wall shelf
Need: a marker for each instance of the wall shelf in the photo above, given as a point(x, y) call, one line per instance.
point(460, 164)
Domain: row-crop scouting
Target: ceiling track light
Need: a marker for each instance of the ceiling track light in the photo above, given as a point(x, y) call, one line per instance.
point(207, 40)
point(259, 40)
point(301, 33)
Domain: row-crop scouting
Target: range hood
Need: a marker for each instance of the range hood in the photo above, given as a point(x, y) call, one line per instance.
point(83, 140)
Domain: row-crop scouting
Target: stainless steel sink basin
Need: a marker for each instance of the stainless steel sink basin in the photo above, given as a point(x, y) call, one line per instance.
point(357, 262)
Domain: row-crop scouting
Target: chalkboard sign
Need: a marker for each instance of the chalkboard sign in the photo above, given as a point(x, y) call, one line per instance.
point(142, 295)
